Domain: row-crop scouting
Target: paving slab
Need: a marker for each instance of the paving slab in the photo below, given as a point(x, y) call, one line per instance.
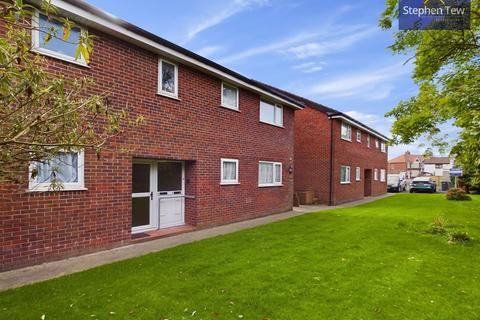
point(24, 276)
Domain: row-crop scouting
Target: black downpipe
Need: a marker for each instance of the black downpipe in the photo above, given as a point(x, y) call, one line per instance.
point(330, 199)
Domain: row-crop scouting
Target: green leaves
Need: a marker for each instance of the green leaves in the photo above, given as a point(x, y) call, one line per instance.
point(42, 114)
point(447, 71)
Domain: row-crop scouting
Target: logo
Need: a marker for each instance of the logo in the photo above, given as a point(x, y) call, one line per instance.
point(434, 14)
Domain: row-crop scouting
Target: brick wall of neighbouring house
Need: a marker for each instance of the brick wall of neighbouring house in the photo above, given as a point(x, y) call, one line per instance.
point(397, 167)
point(356, 154)
point(36, 227)
point(312, 158)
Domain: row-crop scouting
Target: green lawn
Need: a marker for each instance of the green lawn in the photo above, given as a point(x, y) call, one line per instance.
point(374, 261)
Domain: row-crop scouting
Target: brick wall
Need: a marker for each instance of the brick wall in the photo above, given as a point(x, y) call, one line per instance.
point(36, 227)
point(312, 158)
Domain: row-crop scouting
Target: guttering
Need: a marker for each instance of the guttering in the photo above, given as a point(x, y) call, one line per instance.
point(359, 125)
point(101, 20)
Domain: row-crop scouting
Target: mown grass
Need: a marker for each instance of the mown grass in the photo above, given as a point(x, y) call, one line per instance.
point(376, 261)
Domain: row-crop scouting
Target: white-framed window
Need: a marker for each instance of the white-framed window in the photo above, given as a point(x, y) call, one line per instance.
point(269, 174)
point(229, 171)
point(66, 169)
point(382, 175)
point(377, 143)
point(55, 47)
point(345, 174)
point(229, 96)
point(368, 140)
point(346, 131)
point(271, 113)
point(359, 136)
point(358, 174)
point(383, 147)
point(167, 78)
point(375, 174)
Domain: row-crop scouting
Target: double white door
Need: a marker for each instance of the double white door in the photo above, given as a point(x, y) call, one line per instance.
point(158, 195)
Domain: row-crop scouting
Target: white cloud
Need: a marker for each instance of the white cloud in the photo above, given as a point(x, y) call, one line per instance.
point(208, 51)
point(318, 49)
point(235, 7)
point(329, 31)
point(309, 67)
point(281, 44)
point(372, 85)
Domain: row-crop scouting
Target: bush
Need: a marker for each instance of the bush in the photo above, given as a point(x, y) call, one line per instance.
point(458, 194)
point(459, 236)
point(438, 226)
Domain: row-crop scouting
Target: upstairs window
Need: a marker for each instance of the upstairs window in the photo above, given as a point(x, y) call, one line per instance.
point(229, 171)
point(359, 136)
point(55, 47)
point(269, 174)
point(271, 113)
point(229, 97)
point(368, 141)
point(345, 174)
point(346, 132)
point(383, 147)
point(65, 169)
point(168, 79)
point(377, 144)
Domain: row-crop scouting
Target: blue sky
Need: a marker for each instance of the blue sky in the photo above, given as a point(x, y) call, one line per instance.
point(330, 51)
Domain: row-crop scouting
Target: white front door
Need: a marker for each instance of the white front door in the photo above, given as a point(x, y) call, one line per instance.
point(158, 196)
point(171, 194)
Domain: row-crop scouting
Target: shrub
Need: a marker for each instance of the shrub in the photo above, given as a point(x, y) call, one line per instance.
point(459, 236)
point(438, 226)
point(458, 194)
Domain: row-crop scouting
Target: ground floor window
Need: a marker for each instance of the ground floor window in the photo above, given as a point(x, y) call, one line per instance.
point(357, 174)
point(382, 175)
point(65, 170)
point(375, 174)
point(345, 174)
point(229, 171)
point(269, 174)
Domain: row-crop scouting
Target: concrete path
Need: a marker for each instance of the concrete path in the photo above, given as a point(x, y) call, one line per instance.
point(50, 270)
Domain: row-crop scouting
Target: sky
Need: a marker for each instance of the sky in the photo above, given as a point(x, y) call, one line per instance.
point(330, 51)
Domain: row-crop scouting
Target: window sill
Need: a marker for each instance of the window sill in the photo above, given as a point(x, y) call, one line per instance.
point(52, 54)
point(345, 139)
point(230, 183)
point(229, 108)
point(270, 185)
point(174, 97)
point(67, 189)
point(272, 124)
point(345, 183)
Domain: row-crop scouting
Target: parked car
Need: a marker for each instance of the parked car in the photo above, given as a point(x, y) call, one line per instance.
point(395, 183)
point(423, 184)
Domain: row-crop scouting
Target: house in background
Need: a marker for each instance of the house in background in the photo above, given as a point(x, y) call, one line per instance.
point(216, 147)
point(438, 167)
point(411, 164)
point(336, 156)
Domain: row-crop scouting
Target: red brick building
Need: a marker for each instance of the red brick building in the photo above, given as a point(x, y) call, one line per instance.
point(336, 156)
point(411, 164)
point(216, 147)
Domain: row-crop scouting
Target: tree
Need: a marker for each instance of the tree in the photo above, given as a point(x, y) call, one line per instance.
point(447, 71)
point(42, 114)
